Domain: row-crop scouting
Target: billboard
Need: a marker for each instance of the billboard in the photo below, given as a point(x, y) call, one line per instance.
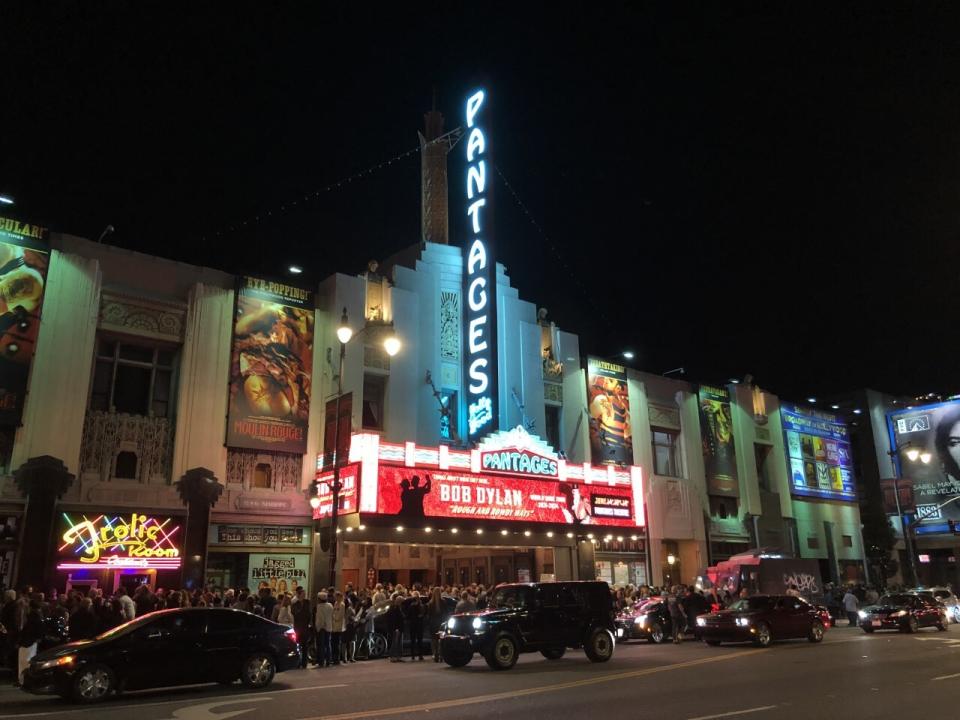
point(24, 257)
point(608, 402)
point(281, 573)
point(818, 454)
point(933, 429)
point(270, 367)
point(716, 435)
point(414, 494)
point(347, 497)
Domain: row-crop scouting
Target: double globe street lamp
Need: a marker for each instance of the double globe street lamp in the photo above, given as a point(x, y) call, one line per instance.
point(345, 334)
point(913, 455)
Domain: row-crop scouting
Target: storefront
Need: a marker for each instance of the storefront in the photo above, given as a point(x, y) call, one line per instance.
point(257, 556)
point(115, 548)
point(509, 510)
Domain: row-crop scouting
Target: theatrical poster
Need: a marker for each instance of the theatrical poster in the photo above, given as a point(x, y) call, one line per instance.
point(24, 256)
point(716, 434)
point(611, 438)
point(270, 367)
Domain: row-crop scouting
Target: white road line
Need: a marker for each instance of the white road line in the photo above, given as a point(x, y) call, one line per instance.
point(734, 712)
point(106, 707)
point(947, 677)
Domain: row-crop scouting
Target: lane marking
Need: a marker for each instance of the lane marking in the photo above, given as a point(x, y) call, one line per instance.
point(947, 677)
point(510, 694)
point(204, 711)
point(223, 698)
point(734, 712)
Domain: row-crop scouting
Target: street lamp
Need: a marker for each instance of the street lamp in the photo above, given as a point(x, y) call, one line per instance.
point(913, 454)
point(392, 345)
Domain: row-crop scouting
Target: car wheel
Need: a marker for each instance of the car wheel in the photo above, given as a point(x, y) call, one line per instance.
point(257, 670)
point(599, 645)
point(866, 628)
point(378, 647)
point(502, 653)
point(93, 683)
point(656, 633)
point(764, 637)
point(456, 659)
point(911, 625)
point(816, 632)
point(553, 653)
point(712, 643)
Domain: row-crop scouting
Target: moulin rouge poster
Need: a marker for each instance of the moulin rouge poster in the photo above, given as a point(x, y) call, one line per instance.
point(270, 367)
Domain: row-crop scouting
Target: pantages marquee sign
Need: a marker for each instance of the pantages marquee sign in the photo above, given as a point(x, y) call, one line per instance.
point(518, 452)
point(480, 280)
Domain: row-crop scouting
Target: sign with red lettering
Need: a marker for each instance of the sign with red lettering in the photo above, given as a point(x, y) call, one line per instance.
point(413, 494)
point(349, 477)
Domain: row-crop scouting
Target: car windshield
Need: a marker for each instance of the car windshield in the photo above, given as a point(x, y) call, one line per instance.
point(511, 597)
point(897, 599)
point(754, 603)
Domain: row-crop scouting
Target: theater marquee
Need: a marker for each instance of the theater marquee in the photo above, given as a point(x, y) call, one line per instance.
point(114, 541)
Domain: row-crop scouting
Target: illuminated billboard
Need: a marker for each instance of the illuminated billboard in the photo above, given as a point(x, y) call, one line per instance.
point(118, 541)
point(933, 429)
point(818, 454)
point(719, 447)
point(608, 402)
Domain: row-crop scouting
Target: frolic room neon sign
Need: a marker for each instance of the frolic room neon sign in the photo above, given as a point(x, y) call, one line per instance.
point(122, 541)
point(480, 278)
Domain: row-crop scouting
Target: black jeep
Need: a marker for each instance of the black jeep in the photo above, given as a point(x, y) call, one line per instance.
point(531, 617)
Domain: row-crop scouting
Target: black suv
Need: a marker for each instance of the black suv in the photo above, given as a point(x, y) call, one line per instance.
point(531, 617)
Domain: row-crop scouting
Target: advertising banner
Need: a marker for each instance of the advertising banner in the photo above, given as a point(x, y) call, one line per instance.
point(24, 257)
point(270, 367)
point(330, 429)
point(349, 478)
point(611, 438)
point(818, 454)
point(933, 429)
point(413, 494)
point(716, 434)
point(281, 573)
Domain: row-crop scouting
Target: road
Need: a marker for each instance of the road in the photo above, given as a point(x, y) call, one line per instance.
point(871, 676)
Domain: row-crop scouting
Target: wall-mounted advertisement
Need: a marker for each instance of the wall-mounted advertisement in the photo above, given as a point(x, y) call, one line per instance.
point(611, 437)
point(719, 449)
point(277, 571)
point(347, 497)
point(24, 257)
point(270, 367)
point(818, 454)
point(933, 429)
point(415, 494)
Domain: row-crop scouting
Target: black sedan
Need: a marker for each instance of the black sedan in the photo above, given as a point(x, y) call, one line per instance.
point(648, 620)
point(761, 619)
point(905, 612)
point(167, 648)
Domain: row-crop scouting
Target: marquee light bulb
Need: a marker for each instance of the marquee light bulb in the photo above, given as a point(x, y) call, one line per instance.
point(454, 531)
point(399, 528)
point(428, 529)
point(504, 532)
point(526, 533)
point(569, 535)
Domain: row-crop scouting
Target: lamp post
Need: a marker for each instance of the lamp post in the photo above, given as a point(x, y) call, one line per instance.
point(391, 344)
point(913, 454)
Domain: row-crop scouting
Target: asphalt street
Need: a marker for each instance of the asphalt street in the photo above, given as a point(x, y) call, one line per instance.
point(871, 676)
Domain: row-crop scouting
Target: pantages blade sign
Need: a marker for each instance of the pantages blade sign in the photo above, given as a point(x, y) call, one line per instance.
point(480, 279)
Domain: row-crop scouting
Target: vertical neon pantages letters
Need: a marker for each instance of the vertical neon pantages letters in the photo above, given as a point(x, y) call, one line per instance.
point(480, 285)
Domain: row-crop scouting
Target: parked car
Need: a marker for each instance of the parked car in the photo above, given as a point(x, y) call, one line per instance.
point(761, 619)
point(534, 617)
point(650, 621)
point(906, 612)
point(945, 597)
point(167, 648)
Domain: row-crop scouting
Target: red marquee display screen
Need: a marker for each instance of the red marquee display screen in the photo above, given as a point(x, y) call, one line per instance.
point(348, 492)
point(412, 493)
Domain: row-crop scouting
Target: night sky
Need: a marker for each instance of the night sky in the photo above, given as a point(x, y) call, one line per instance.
point(768, 191)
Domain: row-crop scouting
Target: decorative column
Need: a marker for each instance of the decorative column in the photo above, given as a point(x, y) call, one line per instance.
point(199, 489)
point(42, 480)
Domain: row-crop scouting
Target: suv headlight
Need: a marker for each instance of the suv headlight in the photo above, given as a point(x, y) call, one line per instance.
point(742, 622)
point(478, 624)
point(56, 662)
point(451, 623)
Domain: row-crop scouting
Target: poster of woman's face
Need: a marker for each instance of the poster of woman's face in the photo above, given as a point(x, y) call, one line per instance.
point(933, 429)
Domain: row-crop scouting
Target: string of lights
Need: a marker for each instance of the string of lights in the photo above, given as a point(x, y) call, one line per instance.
point(588, 537)
point(553, 249)
point(336, 185)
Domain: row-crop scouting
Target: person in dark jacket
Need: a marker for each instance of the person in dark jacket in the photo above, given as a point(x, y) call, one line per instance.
point(29, 637)
point(8, 619)
point(302, 615)
point(83, 623)
point(416, 611)
point(395, 621)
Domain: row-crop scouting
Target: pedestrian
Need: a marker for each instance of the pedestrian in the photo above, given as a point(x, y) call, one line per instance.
point(436, 618)
point(323, 626)
point(128, 608)
point(83, 623)
point(349, 639)
point(395, 622)
point(284, 611)
point(29, 636)
point(415, 616)
point(8, 621)
point(339, 625)
point(466, 604)
point(792, 590)
point(678, 619)
point(851, 606)
point(301, 623)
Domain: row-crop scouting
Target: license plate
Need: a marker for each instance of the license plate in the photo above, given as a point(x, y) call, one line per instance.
point(876, 623)
point(619, 632)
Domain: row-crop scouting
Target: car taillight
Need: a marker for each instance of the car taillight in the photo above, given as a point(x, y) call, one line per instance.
point(292, 634)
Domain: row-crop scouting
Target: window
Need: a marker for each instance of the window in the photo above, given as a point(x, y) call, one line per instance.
point(132, 379)
point(448, 421)
point(760, 454)
point(813, 543)
point(263, 476)
point(723, 507)
point(848, 540)
point(665, 452)
point(374, 393)
point(552, 429)
point(126, 466)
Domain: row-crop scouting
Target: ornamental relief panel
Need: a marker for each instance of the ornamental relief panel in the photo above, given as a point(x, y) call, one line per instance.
point(139, 316)
point(449, 325)
point(140, 446)
point(285, 468)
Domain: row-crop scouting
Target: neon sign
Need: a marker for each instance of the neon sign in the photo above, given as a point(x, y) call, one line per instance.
point(480, 282)
point(129, 541)
point(518, 452)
